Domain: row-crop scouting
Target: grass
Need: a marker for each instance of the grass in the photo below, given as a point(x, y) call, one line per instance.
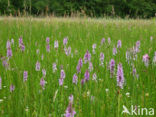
point(90, 100)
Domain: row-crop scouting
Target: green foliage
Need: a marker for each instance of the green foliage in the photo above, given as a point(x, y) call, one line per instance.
point(3, 6)
point(97, 8)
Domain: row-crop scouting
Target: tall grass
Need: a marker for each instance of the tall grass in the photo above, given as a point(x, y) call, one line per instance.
point(92, 99)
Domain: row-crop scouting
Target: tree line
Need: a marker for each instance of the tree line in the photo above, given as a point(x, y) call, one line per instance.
point(91, 8)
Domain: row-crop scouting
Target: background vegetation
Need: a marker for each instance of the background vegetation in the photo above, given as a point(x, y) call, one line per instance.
point(92, 8)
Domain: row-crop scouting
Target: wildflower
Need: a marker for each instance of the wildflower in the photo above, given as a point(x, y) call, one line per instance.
point(48, 48)
point(12, 88)
point(61, 81)
point(78, 68)
point(114, 51)
point(27, 109)
point(88, 93)
point(101, 58)
point(42, 83)
point(37, 66)
point(106, 90)
point(109, 40)
point(146, 60)
point(120, 76)
point(75, 79)
point(25, 75)
point(54, 67)
point(92, 98)
point(134, 71)
point(136, 48)
point(9, 52)
point(82, 81)
point(80, 63)
point(12, 41)
point(1, 100)
point(47, 40)
point(128, 57)
point(8, 44)
point(128, 94)
point(56, 44)
point(154, 59)
point(87, 56)
point(37, 51)
point(112, 67)
point(134, 53)
point(94, 76)
point(68, 51)
point(86, 75)
point(138, 44)
point(119, 44)
point(21, 44)
point(62, 74)
point(65, 41)
point(43, 72)
point(71, 98)
point(151, 38)
point(5, 62)
point(93, 48)
point(102, 41)
point(62, 77)
point(70, 112)
point(22, 47)
point(20, 41)
point(48, 45)
point(90, 66)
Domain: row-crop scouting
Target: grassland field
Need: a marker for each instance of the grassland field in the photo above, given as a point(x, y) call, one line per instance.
point(97, 97)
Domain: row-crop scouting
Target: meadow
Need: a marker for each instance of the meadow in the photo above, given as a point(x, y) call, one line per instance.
point(55, 67)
